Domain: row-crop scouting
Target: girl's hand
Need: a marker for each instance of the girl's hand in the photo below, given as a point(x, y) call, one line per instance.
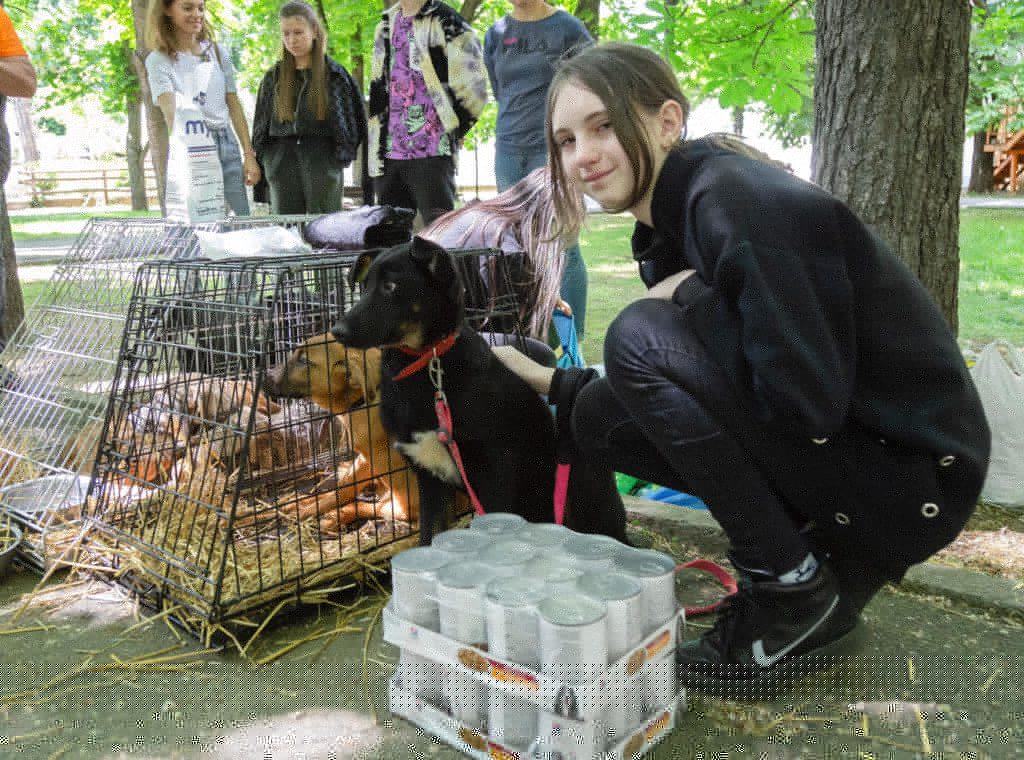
point(664, 289)
point(537, 376)
point(252, 171)
point(563, 306)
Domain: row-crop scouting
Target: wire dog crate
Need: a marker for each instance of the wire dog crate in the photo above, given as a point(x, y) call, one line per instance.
point(216, 491)
point(57, 367)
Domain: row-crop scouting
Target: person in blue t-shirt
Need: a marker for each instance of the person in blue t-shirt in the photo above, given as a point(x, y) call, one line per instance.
point(520, 51)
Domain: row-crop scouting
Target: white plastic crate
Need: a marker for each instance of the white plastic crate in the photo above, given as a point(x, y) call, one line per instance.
point(567, 728)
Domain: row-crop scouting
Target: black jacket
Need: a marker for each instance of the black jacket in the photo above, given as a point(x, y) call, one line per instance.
point(345, 123)
point(830, 338)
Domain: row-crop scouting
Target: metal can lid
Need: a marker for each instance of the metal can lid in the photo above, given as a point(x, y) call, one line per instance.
point(498, 522)
point(544, 534)
point(419, 559)
point(645, 563)
point(553, 571)
point(464, 575)
point(507, 551)
point(517, 591)
point(576, 609)
point(609, 586)
point(460, 541)
point(585, 546)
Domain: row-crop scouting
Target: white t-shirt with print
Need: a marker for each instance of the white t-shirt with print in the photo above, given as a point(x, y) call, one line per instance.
point(168, 75)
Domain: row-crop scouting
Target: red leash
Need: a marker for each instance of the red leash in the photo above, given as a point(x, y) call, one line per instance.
point(430, 357)
point(720, 573)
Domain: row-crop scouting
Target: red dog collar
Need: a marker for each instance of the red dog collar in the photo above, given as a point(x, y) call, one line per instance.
point(424, 355)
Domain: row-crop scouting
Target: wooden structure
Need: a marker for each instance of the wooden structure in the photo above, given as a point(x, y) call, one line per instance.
point(1007, 145)
point(83, 187)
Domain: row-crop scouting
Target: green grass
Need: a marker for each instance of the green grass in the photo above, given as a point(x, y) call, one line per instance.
point(64, 224)
point(991, 282)
point(991, 269)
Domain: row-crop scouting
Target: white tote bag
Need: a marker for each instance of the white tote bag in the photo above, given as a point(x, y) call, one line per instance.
point(195, 182)
point(999, 376)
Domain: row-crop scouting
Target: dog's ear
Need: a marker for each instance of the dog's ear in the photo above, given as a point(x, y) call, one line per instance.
point(439, 263)
point(426, 252)
point(358, 272)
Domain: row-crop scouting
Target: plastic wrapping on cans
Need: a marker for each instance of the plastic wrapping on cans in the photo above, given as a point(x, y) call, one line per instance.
point(656, 573)
point(511, 720)
point(573, 638)
point(545, 536)
point(498, 523)
point(507, 556)
point(592, 554)
point(558, 575)
point(510, 607)
point(624, 621)
point(414, 585)
point(460, 544)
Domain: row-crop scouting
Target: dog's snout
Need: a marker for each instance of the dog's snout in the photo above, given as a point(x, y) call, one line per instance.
point(341, 332)
point(272, 383)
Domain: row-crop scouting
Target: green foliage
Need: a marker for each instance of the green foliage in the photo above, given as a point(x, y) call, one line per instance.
point(52, 125)
point(997, 64)
point(742, 53)
point(82, 48)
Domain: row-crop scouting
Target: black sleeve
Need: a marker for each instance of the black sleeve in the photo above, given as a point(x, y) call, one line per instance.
point(776, 306)
point(264, 111)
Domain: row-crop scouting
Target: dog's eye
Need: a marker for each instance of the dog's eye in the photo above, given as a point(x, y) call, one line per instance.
point(388, 287)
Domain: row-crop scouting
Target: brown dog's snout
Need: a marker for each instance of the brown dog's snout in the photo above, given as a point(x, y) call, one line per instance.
point(272, 384)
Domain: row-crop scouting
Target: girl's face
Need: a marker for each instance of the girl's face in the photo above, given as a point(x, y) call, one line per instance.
point(298, 36)
point(592, 157)
point(187, 16)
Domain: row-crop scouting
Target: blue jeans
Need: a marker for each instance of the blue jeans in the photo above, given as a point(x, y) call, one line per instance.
point(231, 167)
point(510, 166)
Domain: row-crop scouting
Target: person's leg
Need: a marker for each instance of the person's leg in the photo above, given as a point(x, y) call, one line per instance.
point(391, 188)
point(666, 412)
point(508, 168)
point(321, 177)
point(231, 169)
point(287, 190)
point(432, 183)
point(574, 288)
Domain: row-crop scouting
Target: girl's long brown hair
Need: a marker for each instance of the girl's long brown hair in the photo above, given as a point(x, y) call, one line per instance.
point(628, 80)
point(159, 32)
point(526, 213)
point(285, 95)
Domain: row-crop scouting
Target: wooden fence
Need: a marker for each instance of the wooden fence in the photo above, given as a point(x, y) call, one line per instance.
point(82, 187)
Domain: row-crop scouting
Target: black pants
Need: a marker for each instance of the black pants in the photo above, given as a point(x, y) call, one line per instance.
point(424, 184)
point(667, 413)
point(303, 176)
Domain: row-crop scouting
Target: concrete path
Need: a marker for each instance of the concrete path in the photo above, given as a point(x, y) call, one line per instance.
point(936, 670)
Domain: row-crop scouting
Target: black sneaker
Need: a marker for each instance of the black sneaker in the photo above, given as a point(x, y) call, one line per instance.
point(765, 623)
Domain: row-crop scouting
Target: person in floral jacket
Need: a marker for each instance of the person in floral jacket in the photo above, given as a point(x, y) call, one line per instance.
point(428, 87)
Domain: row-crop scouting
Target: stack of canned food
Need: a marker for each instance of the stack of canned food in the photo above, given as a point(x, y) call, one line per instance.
point(561, 604)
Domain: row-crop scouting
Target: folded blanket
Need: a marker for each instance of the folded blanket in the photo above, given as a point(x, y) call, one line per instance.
point(364, 227)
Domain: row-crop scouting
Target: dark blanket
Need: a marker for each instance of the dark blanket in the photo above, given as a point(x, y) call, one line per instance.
point(361, 228)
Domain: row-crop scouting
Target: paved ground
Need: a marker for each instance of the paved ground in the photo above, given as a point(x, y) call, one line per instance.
point(936, 671)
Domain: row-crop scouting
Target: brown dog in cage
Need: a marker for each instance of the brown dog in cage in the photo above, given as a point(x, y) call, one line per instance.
point(346, 383)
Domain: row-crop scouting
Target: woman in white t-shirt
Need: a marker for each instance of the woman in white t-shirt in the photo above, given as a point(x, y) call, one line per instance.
point(180, 38)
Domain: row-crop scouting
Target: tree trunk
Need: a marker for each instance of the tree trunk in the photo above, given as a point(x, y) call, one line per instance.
point(135, 150)
point(982, 166)
point(737, 120)
point(26, 129)
point(469, 9)
point(155, 123)
point(589, 12)
point(11, 299)
point(889, 98)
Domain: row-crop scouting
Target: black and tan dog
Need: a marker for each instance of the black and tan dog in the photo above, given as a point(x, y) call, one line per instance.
point(336, 379)
point(413, 302)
